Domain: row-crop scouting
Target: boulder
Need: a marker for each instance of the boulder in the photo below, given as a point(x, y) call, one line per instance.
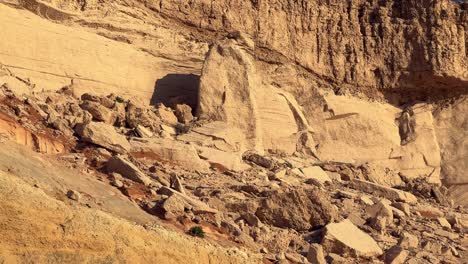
point(344, 238)
point(383, 191)
point(408, 240)
point(222, 160)
point(173, 206)
point(99, 112)
point(381, 215)
point(183, 113)
point(166, 115)
point(395, 255)
point(234, 93)
point(127, 169)
point(315, 254)
point(170, 151)
point(296, 208)
point(315, 172)
point(103, 135)
point(143, 131)
point(197, 206)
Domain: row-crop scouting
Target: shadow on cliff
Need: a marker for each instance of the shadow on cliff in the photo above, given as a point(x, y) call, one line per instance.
point(176, 89)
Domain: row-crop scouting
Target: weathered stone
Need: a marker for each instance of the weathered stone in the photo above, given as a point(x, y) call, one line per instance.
point(103, 135)
point(166, 115)
point(173, 206)
point(429, 211)
point(345, 238)
point(127, 169)
point(395, 255)
point(381, 215)
point(408, 240)
point(251, 219)
point(315, 172)
point(259, 160)
point(222, 160)
point(74, 195)
point(183, 113)
point(296, 208)
point(444, 223)
point(170, 151)
point(198, 207)
point(176, 184)
point(404, 207)
point(99, 112)
point(315, 254)
point(143, 131)
point(383, 191)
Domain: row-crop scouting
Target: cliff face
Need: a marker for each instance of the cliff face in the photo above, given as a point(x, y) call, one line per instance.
point(397, 52)
point(403, 50)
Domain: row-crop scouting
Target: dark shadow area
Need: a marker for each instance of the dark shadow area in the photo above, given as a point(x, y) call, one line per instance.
point(177, 89)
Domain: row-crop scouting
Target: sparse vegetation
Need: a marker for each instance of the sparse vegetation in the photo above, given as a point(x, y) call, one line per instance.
point(197, 231)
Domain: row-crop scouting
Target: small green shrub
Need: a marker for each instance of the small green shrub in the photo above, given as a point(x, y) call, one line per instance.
point(197, 231)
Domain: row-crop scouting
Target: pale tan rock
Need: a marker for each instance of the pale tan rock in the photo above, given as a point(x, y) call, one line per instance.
point(428, 211)
point(174, 206)
point(317, 173)
point(103, 135)
point(404, 207)
point(221, 159)
point(171, 151)
point(99, 112)
point(143, 131)
point(183, 113)
point(166, 115)
point(408, 240)
point(315, 254)
point(444, 223)
point(346, 238)
point(197, 206)
point(386, 192)
point(120, 165)
point(381, 215)
point(396, 255)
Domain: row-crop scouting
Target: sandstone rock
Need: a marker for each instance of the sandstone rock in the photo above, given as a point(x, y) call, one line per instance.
point(233, 93)
point(138, 115)
point(197, 206)
point(171, 151)
point(173, 206)
point(381, 215)
point(404, 207)
point(99, 112)
point(296, 208)
point(251, 219)
point(260, 160)
point(166, 115)
point(183, 113)
point(222, 160)
point(444, 223)
point(429, 211)
point(315, 254)
point(395, 255)
point(408, 240)
point(315, 172)
point(74, 195)
point(176, 184)
point(143, 131)
point(345, 238)
point(120, 165)
point(386, 192)
point(103, 135)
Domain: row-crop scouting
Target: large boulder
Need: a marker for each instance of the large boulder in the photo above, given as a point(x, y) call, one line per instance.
point(344, 238)
point(231, 91)
point(172, 151)
point(119, 164)
point(103, 135)
point(296, 208)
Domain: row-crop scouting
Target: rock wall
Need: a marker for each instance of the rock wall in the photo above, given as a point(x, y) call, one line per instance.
point(405, 50)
